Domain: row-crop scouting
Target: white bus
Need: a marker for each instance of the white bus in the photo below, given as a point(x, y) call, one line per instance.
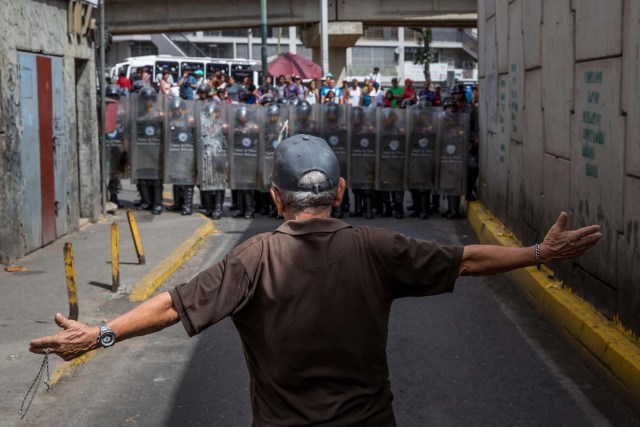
point(238, 68)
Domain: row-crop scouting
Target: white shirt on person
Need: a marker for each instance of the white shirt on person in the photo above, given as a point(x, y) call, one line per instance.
point(354, 96)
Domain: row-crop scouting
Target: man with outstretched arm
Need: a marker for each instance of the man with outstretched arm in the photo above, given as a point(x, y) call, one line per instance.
point(311, 300)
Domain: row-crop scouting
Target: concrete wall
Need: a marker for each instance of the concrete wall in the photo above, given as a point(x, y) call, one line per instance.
point(41, 27)
point(559, 131)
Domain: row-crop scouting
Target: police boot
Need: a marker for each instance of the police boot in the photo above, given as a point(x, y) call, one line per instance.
point(240, 206)
point(234, 200)
point(249, 204)
point(265, 204)
point(205, 202)
point(157, 197)
point(454, 207)
point(187, 207)
point(398, 206)
point(138, 202)
point(357, 203)
point(178, 199)
point(112, 186)
point(415, 206)
point(423, 198)
point(145, 194)
point(345, 205)
point(435, 203)
point(368, 204)
point(217, 204)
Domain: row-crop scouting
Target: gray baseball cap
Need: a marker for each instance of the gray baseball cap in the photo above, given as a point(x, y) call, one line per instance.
point(299, 154)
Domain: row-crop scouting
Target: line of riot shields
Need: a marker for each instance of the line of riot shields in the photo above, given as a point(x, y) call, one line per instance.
point(220, 146)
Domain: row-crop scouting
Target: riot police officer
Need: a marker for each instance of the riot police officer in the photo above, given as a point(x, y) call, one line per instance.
point(202, 91)
point(274, 131)
point(147, 150)
point(180, 155)
point(334, 131)
point(115, 143)
point(303, 117)
point(422, 158)
point(213, 166)
point(244, 161)
point(363, 160)
point(391, 156)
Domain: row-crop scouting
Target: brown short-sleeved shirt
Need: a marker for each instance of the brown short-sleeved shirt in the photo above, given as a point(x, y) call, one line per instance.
point(311, 302)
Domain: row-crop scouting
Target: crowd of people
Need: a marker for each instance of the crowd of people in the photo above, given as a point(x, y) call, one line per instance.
point(220, 88)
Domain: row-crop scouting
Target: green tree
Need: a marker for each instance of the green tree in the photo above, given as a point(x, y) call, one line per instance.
point(423, 54)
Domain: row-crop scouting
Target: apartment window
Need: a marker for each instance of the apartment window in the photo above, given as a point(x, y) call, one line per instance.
point(374, 56)
point(143, 48)
point(381, 33)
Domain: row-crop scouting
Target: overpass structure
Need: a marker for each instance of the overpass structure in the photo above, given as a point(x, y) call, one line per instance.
point(164, 16)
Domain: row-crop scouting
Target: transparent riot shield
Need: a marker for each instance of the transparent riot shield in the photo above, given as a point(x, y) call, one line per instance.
point(391, 151)
point(452, 153)
point(180, 142)
point(146, 135)
point(333, 120)
point(303, 118)
point(116, 115)
point(423, 134)
point(275, 128)
point(362, 150)
point(243, 154)
point(212, 153)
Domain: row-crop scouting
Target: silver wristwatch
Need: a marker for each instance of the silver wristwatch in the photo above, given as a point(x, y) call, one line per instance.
point(106, 338)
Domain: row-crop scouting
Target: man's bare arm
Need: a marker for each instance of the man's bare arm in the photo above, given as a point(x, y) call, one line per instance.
point(76, 338)
point(558, 244)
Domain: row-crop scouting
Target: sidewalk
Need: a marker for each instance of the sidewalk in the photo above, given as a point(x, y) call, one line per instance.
point(31, 298)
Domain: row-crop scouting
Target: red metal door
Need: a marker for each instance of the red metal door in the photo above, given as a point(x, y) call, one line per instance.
point(45, 120)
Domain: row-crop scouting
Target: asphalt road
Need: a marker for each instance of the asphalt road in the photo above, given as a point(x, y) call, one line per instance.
point(477, 357)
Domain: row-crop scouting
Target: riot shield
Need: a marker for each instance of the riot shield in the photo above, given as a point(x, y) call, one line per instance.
point(180, 144)
point(362, 158)
point(115, 140)
point(213, 156)
point(146, 135)
point(391, 150)
point(423, 134)
point(243, 155)
point(304, 119)
point(452, 153)
point(333, 119)
point(275, 127)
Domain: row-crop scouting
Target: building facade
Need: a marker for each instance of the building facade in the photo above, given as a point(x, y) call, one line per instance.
point(49, 157)
point(390, 48)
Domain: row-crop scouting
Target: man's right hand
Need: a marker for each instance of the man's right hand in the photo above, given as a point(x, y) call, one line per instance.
point(73, 341)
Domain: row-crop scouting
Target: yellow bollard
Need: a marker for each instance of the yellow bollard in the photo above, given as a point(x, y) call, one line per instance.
point(115, 258)
point(136, 236)
point(72, 290)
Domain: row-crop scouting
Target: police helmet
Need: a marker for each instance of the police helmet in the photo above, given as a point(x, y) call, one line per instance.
point(203, 88)
point(112, 91)
point(148, 93)
point(266, 98)
point(303, 108)
point(458, 88)
point(242, 115)
point(137, 86)
point(281, 101)
point(449, 103)
point(177, 104)
point(331, 112)
point(273, 112)
point(211, 110)
point(294, 100)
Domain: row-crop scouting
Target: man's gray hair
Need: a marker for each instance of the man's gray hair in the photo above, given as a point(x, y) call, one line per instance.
point(297, 202)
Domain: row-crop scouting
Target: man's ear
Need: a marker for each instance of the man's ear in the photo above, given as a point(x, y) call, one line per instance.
point(277, 200)
point(342, 187)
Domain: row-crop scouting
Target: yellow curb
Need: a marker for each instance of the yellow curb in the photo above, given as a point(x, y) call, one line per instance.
point(147, 285)
point(68, 368)
point(158, 274)
point(614, 356)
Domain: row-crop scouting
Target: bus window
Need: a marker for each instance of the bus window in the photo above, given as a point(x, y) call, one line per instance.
point(135, 73)
point(223, 67)
point(173, 67)
point(192, 66)
point(240, 71)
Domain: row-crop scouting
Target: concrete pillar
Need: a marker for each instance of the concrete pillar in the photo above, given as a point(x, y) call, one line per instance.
point(293, 39)
point(342, 35)
point(400, 53)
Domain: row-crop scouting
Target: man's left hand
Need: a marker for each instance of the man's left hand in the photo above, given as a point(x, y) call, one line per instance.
point(73, 341)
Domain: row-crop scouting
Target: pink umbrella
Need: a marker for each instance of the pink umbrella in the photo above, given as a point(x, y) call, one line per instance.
point(292, 64)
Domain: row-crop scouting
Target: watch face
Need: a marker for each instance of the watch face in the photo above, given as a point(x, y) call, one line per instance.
point(107, 339)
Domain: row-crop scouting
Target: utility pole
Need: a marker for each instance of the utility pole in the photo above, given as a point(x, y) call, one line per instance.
point(103, 91)
point(263, 28)
point(324, 35)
